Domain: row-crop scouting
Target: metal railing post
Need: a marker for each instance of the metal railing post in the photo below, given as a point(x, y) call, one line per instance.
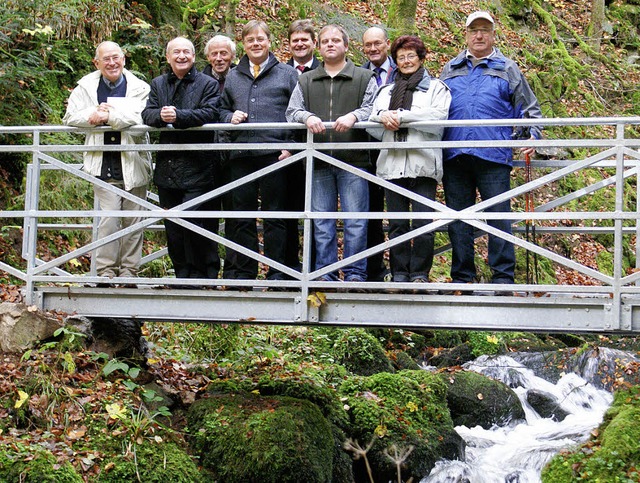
point(32, 202)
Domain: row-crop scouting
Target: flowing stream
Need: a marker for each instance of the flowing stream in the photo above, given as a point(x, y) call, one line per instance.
point(518, 452)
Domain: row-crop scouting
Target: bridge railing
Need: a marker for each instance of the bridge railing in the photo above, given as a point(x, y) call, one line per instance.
point(612, 152)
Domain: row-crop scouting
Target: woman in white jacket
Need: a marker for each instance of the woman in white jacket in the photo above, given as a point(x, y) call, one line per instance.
point(413, 97)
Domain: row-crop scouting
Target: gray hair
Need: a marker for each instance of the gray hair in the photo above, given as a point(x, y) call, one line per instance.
point(222, 39)
point(104, 44)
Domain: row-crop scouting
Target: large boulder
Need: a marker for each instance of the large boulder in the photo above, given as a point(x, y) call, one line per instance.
point(22, 326)
point(404, 417)
point(475, 399)
point(248, 438)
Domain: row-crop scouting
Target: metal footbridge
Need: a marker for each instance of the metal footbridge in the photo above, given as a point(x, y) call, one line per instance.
point(583, 298)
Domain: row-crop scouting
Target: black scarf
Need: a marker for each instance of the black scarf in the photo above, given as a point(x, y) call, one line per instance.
point(402, 96)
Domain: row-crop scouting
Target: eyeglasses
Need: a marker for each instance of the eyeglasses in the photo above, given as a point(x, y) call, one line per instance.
point(111, 58)
point(255, 40)
point(482, 32)
point(377, 44)
point(408, 57)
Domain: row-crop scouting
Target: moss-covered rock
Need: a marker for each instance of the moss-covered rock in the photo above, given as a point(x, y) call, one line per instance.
point(35, 467)
point(358, 350)
point(406, 409)
point(475, 399)
point(249, 438)
point(612, 455)
point(152, 463)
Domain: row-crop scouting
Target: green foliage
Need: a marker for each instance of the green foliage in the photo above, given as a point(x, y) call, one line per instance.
point(151, 462)
point(611, 456)
point(484, 343)
point(34, 465)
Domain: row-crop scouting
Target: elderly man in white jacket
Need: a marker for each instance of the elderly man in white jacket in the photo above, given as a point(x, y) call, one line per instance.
point(99, 100)
point(414, 96)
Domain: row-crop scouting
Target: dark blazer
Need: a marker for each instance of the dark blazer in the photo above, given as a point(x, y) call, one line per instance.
point(314, 64)
point(391, 75)
point(196, 99)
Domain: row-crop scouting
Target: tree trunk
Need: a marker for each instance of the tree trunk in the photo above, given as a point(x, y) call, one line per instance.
point(402, 16)
point(595, 27)
point(230, 17)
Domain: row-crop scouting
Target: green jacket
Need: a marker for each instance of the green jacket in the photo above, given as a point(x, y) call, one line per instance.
point(331, 97)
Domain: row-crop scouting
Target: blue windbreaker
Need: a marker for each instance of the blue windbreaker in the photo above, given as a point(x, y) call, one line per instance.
point(493, 89)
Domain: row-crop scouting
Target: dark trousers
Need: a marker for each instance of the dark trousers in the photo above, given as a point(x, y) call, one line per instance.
point(222, 176)
point(463, 175)
point(411, 260)
point(271, 190)
point(294, 201)
point(376, 268)
point(192, 255)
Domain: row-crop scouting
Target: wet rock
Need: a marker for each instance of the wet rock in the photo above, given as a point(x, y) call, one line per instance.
point(474, 399)
point(545, 405)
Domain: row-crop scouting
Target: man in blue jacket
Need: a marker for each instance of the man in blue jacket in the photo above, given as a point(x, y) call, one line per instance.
point(484, 85)
point(258, 90)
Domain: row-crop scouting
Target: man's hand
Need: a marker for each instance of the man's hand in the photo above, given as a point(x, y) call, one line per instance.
point(238, 117)
point(101, 115)
point(344, 123)
point(284, 154)
point(528, 151)
point(168, 114)
point(315, 125)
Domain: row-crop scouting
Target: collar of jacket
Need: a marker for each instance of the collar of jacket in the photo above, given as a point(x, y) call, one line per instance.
point(187, 78)
point(497, 61)
point(392, 65)
point(347, 72)
point(422, 86)
point(243, 65)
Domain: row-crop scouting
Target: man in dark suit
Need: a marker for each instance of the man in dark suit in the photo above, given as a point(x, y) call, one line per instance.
point(302, 43)
point(375, 42)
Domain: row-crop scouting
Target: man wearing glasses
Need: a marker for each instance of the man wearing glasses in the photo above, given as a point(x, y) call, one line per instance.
point(484, 85)
point(98, 100)
point(258, 91)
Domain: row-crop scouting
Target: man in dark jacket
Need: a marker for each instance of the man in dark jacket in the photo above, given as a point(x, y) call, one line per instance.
point(341, 93)
point(258, 90)
point(220, 51)
point(484, 85)
point(376, 44)
point(302, 44)
point(184, 98)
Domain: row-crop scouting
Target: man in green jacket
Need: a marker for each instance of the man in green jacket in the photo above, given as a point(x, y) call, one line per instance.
point(341, 93)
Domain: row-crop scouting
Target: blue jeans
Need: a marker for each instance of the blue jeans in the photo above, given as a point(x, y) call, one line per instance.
point(462, 176)
point(330, 182)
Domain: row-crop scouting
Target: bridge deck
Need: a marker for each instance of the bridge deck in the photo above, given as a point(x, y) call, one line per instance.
point(482, 310)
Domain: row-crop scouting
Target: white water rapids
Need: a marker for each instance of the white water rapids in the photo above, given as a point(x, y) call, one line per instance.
point(517, 453)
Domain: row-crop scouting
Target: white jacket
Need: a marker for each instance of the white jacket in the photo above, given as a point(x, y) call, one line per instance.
point(136, 166)
point(430, 102)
